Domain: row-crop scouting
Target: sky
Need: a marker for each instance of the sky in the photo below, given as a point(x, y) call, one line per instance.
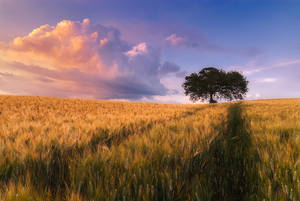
point(142, 50)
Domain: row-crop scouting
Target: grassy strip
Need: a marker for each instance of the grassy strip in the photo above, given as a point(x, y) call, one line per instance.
point(229, 167)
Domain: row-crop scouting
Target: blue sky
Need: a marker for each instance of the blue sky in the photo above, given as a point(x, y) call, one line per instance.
point(261, 39)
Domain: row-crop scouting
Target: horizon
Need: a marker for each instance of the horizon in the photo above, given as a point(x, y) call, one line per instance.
point(141, 51)
point(148, 102)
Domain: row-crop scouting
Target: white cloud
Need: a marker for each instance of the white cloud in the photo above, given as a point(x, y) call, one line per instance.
point(268, 80)
point(254, 95)
point(252, 68)
point(173, 98)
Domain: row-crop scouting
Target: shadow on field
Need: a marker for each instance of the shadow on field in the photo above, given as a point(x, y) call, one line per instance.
point(51, 170)
point(114, 138)
point(228, 170)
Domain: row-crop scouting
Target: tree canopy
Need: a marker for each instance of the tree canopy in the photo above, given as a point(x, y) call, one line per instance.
point(212, 84)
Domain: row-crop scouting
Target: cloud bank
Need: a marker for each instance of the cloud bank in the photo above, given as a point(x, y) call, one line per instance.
point(79, 59)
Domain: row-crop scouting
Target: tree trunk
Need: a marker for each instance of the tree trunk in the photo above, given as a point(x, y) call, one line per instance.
point(211, 100)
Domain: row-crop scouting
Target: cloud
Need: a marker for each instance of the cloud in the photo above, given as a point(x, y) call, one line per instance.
point(79, 59)
point(253, 52)
point(67, 45)
point(268, 80)
point(181, 74)
point(175, 93)
point(169, 67)
point(2, 75)
point(140, 49)
point(194, 41)
point(175, 40)
point(250, 96)
point(172, 68)
point(252, 68)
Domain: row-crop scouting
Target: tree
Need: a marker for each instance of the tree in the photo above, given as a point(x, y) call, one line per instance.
point(212, 83)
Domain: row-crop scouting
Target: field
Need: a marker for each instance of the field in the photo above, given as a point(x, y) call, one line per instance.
point(80, 150)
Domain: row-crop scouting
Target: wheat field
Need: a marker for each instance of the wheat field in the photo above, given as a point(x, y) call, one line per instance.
point(79, 150)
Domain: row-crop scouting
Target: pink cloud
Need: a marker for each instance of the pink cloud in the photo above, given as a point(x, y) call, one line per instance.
point(139, 49)
point(79, 59)
point(69, 44)
point(175, 40)
point(195, 41)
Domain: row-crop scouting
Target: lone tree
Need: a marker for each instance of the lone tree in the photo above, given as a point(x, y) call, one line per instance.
point(212, 83)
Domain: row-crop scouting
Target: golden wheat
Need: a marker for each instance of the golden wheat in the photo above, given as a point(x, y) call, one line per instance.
point(76, 150)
